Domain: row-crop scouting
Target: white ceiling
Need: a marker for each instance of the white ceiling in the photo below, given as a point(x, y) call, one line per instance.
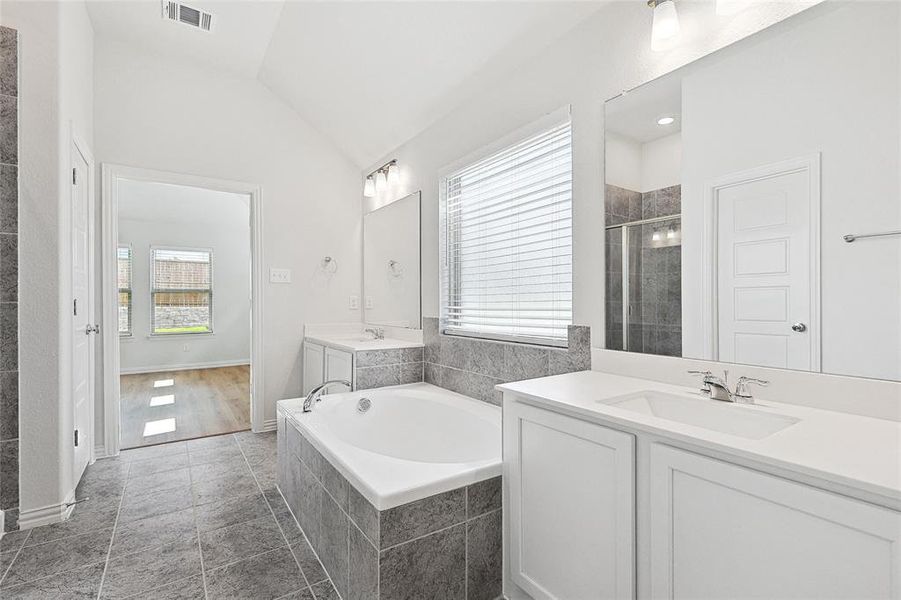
point(237, 43)
point(368, 74)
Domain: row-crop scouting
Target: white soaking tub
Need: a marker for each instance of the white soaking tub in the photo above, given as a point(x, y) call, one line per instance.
point(412, 442)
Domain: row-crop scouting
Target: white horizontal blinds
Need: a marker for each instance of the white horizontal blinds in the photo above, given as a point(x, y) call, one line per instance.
point(124, 278)
point(182, 291)
point(508, 242)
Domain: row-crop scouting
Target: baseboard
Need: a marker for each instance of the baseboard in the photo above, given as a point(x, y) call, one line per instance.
point(100, 452)
point(47, 515)
point(185, 367)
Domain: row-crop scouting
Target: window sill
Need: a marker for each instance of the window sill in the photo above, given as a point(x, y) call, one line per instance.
point(169, 336)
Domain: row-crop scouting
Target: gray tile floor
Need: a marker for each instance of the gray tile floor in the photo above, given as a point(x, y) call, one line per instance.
point(186, 520)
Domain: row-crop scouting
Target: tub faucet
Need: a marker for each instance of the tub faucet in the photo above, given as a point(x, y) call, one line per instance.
point(316, 392)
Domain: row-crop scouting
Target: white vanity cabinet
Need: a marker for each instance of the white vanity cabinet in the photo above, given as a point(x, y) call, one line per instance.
point(313, 365)
point(718, 530)
point(571, 505)
point(339, 364)
point(597, 512)
point(323, 363)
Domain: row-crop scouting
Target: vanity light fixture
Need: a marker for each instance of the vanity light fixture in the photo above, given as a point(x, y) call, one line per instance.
point(667, 120)
point(381, 179)
point(393, 174)
point(369, 187)
point(665, 28)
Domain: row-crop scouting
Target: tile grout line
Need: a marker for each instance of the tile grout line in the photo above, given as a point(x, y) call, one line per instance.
point(277, 524)
point(206, 594)
point(19, 551)
point(109, 550)
point(425, 535)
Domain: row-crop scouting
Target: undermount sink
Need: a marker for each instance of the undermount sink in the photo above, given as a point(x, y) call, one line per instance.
point(738, 420)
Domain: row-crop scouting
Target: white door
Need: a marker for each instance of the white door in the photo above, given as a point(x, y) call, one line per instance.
point(721, 531)
point(570, 494)
point(84, 330)
point(338, 365)
point(313, 366)
point(765, 301)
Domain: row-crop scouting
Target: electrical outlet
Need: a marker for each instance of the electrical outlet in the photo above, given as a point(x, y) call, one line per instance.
point(353, 303)
point(279, 275)
point(368, 302)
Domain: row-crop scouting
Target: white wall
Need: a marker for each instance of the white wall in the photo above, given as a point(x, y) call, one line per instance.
point(661, 163)
point(161, 115)
point(604, 55)
point(643, 167)
point(154, 214)
point(56, 64)
point(814, 87)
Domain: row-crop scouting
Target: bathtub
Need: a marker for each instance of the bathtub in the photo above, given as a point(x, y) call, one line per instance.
point(413, 441)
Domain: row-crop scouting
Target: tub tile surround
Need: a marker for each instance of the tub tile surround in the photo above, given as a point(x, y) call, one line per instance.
point(9, 392)
point(380, 368)
point(472, 366)
point(449, 541)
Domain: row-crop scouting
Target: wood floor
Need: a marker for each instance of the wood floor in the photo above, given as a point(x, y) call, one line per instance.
point(196, 403)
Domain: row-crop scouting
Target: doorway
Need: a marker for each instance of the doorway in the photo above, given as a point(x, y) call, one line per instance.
point(183, 350)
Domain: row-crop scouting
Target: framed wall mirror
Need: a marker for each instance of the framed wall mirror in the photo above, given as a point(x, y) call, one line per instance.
point(392, 295)
point(752, 201)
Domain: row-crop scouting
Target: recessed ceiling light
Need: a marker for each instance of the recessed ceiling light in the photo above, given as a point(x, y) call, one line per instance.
point(666, 120)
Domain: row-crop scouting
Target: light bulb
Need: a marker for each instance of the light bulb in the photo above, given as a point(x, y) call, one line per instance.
point(665, 30)
point(671, 234)
point(393, 174)
point(369, 187)
point(666, 120)
point(381, 182)
point(656, 236)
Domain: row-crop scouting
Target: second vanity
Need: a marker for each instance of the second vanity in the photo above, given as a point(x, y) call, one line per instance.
point(617, 487)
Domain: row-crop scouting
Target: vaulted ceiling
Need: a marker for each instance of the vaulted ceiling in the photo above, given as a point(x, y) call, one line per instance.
point(368, 74)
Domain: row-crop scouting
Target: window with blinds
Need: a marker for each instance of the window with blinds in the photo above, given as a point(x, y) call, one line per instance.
point(507, 243)
point(124, 278)
point(181, 291)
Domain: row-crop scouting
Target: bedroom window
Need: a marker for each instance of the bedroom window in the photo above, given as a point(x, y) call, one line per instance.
point(181, 291)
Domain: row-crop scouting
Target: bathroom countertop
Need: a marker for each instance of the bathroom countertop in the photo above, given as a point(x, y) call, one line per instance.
point(358, 343)
point(853, 452)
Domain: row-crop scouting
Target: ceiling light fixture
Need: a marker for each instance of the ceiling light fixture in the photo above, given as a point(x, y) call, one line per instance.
point(388, 175)
point(665, 28)
point(666, 120)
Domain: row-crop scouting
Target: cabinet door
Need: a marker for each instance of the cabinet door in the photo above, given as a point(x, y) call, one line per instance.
point(724, 531)
point(571, 505)
point(338, 365)
point(313, 366)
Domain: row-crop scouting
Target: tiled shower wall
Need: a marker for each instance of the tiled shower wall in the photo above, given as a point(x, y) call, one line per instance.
point(9, 354)
point(472, 367)
point(655, 271)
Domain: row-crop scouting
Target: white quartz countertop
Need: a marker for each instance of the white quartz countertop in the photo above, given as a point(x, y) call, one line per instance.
point(358, 342)
point(857, 452)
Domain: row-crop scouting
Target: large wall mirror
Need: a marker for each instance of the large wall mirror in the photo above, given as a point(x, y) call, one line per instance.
point(391, 264)
point(731, 185)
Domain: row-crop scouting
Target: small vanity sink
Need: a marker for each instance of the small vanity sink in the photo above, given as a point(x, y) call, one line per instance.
point(741, 421)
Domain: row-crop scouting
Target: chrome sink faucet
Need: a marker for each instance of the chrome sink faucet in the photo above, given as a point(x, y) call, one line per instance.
point(377, 332)
point(718, 387)
point(316, 392)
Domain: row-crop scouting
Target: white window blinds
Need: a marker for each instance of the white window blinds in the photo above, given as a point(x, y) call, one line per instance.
point(507, 243)
point(182, 291)
point(124, 277)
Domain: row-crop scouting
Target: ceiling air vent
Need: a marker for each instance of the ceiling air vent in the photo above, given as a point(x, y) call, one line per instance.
point(175, 11)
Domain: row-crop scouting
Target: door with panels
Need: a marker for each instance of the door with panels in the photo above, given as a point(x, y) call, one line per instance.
point(766, 281)
point(571, 505)
point(723, 531)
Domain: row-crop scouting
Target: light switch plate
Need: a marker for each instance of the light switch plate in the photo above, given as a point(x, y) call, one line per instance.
point(353, 303)
point(279, 275)
point(368, 302)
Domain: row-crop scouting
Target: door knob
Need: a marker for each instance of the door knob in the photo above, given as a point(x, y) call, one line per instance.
point(799, 327)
